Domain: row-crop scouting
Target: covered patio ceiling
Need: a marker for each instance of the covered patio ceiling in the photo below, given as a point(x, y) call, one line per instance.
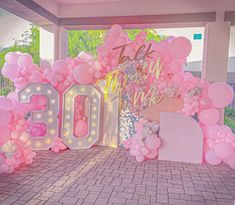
point(101, 13)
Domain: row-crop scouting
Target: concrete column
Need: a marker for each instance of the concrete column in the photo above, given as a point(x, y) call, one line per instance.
point(215, 56)
point(53, 44)
point(62, 43)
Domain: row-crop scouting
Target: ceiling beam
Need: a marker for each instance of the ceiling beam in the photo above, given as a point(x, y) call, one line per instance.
point(230, 16)
point(103, 22)
point(18, 8)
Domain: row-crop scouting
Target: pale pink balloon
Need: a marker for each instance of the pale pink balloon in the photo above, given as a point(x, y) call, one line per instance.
point(152, 142)
point(163, 46)
point(82, 75)
point(231, 162)
point(5, 117)
point(35, 77)
point(209, 116)
point(5, 134)
point(211, 158)
point(62, 146)
point(211, 131)
point(10, 71)
point(175, 67)
point(205, 103)
point(11, 58)
point(139, 158)
point(180, 47)
point(5, 103)
point(81, 128)
point(221, 94)
point(25, 60)
point(152, 154)
point(224, 150)
point(60, 66)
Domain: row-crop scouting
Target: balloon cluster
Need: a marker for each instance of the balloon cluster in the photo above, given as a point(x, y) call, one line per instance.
point(146, 142)
point(220, 145)
point(19, 67)
point(169, 56)
point(15, 149)
point(80, 121)
point(58, 146)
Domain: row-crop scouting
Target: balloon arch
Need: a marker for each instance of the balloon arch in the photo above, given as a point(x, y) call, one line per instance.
point(77, 102)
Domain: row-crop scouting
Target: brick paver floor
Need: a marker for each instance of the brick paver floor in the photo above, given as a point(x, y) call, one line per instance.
point(104, 175)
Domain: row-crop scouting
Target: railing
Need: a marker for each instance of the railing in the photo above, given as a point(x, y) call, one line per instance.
point(6, 86)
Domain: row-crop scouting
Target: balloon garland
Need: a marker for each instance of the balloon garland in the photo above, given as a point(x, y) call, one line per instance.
point(147, 70)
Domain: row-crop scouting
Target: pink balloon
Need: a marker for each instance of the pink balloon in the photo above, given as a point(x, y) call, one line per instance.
point(5, 134)
point(35, 77)
point(139, 158)
point(231, 162)
point(11, 58)
point(221, 94)
point(163, 46)
point(152, 154)
point(10, 71)
point(153, 142)
point(82, 75)
point(62, 146)
point(81, 128)
point(224, 150)
point(25, 60)
point(205, 103)
point(212, 158)
point(175, 67)
point(5, 103)
point(180, 47)
point(211, 131)
point(209, 116)
point(5, 117)
point(60, 66)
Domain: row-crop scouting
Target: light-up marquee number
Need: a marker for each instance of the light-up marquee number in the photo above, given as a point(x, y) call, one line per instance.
point(48, 116)
point(93, 106)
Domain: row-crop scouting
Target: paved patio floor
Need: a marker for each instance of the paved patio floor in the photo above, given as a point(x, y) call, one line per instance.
point(111, 176)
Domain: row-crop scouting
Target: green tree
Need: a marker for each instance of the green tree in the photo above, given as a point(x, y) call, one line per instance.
point(28, 44)
point(89, 40)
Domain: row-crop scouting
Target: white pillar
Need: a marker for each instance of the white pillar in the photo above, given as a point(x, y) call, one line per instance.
point(53, 44)
point(215, 56)
point(62, 43)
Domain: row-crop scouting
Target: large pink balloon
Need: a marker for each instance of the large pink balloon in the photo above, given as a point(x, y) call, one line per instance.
point(25, 60)
point(153, 142)
point(10, 71)
point(175, 67)
point(180, 47)
point(82, 75)
point(11, 58)
point(5, 117)
point(81, 128)
point(205, 103)
point(209, 116)
point(60, 67)
point(5, 103)
point(152, 154)
point(224, 150)
point(221, 94)
point(211, 131)
point(5, 134)
point(231, 162)
point(212, 158)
